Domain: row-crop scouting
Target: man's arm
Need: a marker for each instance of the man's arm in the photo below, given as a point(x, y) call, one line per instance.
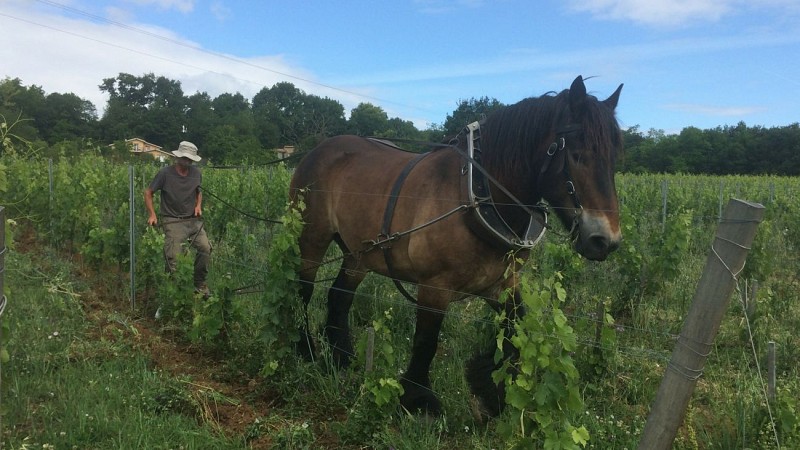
point(148, 203)
point(198, 204)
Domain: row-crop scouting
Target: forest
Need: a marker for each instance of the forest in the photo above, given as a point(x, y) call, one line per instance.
point(232, 129)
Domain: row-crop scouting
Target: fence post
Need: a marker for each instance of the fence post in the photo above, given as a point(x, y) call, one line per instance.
point(369, 357)
point(132, 226)
point(771, 370)
point(735, 234)
point(2, 299)
point(664, 190)
point(50, 196)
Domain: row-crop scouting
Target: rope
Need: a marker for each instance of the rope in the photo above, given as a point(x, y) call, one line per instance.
point(244, 213)
point(734, 274)
point(758, 369)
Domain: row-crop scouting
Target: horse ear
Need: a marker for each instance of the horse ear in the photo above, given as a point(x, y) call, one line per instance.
point(611, 101)
point(577, 96)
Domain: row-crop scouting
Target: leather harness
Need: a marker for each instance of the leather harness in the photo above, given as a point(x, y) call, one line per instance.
point(485, 220)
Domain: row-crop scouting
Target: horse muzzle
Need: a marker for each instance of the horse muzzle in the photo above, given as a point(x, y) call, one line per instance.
point(596, 237)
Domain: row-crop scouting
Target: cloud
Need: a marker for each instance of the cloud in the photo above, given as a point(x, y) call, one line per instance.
point(40, 45)
point(656, 12)
point(446, 6)
point(716, 111)
point(672, 13)
point(220, 11)
point(184, 6)
point(602, 58)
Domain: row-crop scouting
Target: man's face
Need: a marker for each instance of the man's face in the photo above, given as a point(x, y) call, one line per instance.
point(185, 162)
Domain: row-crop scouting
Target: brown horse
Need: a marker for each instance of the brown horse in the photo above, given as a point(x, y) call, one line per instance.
point(448, 220)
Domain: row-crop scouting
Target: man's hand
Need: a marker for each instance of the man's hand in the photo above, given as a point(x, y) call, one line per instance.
point(152, 220)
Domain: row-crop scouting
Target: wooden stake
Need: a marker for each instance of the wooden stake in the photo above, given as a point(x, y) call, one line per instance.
point(734, 237)
point(370, 350)
point(771, 371)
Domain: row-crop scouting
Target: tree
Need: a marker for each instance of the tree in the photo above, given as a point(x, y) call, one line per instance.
point(232, 137)
point(199, 119)
point(21, 106)
point(149, 107)
point(285, 115)
point(322, 117)
point(367, 119)
point(469, 111)
point(67, 117)
point(277, 111)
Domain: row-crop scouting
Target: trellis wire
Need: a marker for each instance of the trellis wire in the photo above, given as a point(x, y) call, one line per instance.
point(664, 213)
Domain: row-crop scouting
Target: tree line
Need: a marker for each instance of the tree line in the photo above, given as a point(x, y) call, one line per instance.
point(230, 128)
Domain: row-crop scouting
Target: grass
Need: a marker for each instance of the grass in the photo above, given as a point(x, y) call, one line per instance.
point(68, 386)
point(83, 374)
point(87, 372)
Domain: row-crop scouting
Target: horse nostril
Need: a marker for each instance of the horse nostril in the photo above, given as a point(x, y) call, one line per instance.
point(603, 243)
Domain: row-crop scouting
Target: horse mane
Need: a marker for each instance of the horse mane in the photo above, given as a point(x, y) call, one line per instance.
point(515, 138)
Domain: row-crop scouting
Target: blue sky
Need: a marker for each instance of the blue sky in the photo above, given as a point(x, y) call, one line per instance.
point(703, 63)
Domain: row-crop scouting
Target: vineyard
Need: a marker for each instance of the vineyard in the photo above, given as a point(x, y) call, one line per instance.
point(83, 345)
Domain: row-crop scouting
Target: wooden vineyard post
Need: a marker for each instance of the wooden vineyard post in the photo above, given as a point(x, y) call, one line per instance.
point(735, 234)
point(370, 350)
point(2, 300)
point(771, 371)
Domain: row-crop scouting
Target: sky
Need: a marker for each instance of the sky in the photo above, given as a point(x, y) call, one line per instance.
point(701, 63)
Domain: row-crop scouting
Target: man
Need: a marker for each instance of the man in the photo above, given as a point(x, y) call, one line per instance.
point(181, 212)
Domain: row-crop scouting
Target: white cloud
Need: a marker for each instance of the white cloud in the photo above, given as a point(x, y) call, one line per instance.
point(68, 55)
point(656, 12)
point(220, 11)
point(446, 6)
point(184, 6)
point(671, 13)
point(716, 111)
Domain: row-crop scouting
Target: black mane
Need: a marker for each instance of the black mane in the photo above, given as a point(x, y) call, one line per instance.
point(515, 138)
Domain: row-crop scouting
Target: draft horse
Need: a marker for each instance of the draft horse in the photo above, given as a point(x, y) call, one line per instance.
point(447, 220)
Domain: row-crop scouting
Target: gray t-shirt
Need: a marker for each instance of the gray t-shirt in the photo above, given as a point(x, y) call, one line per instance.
point(178, 193)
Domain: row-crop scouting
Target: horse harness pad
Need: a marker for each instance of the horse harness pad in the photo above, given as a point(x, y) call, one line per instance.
point(492, 225)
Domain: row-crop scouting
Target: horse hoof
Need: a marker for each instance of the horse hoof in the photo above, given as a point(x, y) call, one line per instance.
point(418, 399)
point(488, 394)
point(340, 360)
point(305, 347)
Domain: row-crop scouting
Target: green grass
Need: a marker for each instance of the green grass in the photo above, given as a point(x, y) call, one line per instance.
point(79, 376)
point(73, 382)
point(65, 388)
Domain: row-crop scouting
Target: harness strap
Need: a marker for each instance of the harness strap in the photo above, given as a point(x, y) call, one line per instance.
point(559, 146)
point(388, 215)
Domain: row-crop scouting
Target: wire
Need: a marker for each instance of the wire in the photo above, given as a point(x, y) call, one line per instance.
point(758, 366)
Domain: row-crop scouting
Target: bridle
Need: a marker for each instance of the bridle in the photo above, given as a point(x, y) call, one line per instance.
point(560, 145)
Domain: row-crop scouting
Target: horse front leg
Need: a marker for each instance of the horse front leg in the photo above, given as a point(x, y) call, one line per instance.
point(480, 368)
point(340, 299)
point(418, 397)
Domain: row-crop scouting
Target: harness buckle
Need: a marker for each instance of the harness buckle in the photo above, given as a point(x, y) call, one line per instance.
point(558, 145)
point(570, 187)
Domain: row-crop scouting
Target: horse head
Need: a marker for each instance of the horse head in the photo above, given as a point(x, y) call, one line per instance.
point(577, 175)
